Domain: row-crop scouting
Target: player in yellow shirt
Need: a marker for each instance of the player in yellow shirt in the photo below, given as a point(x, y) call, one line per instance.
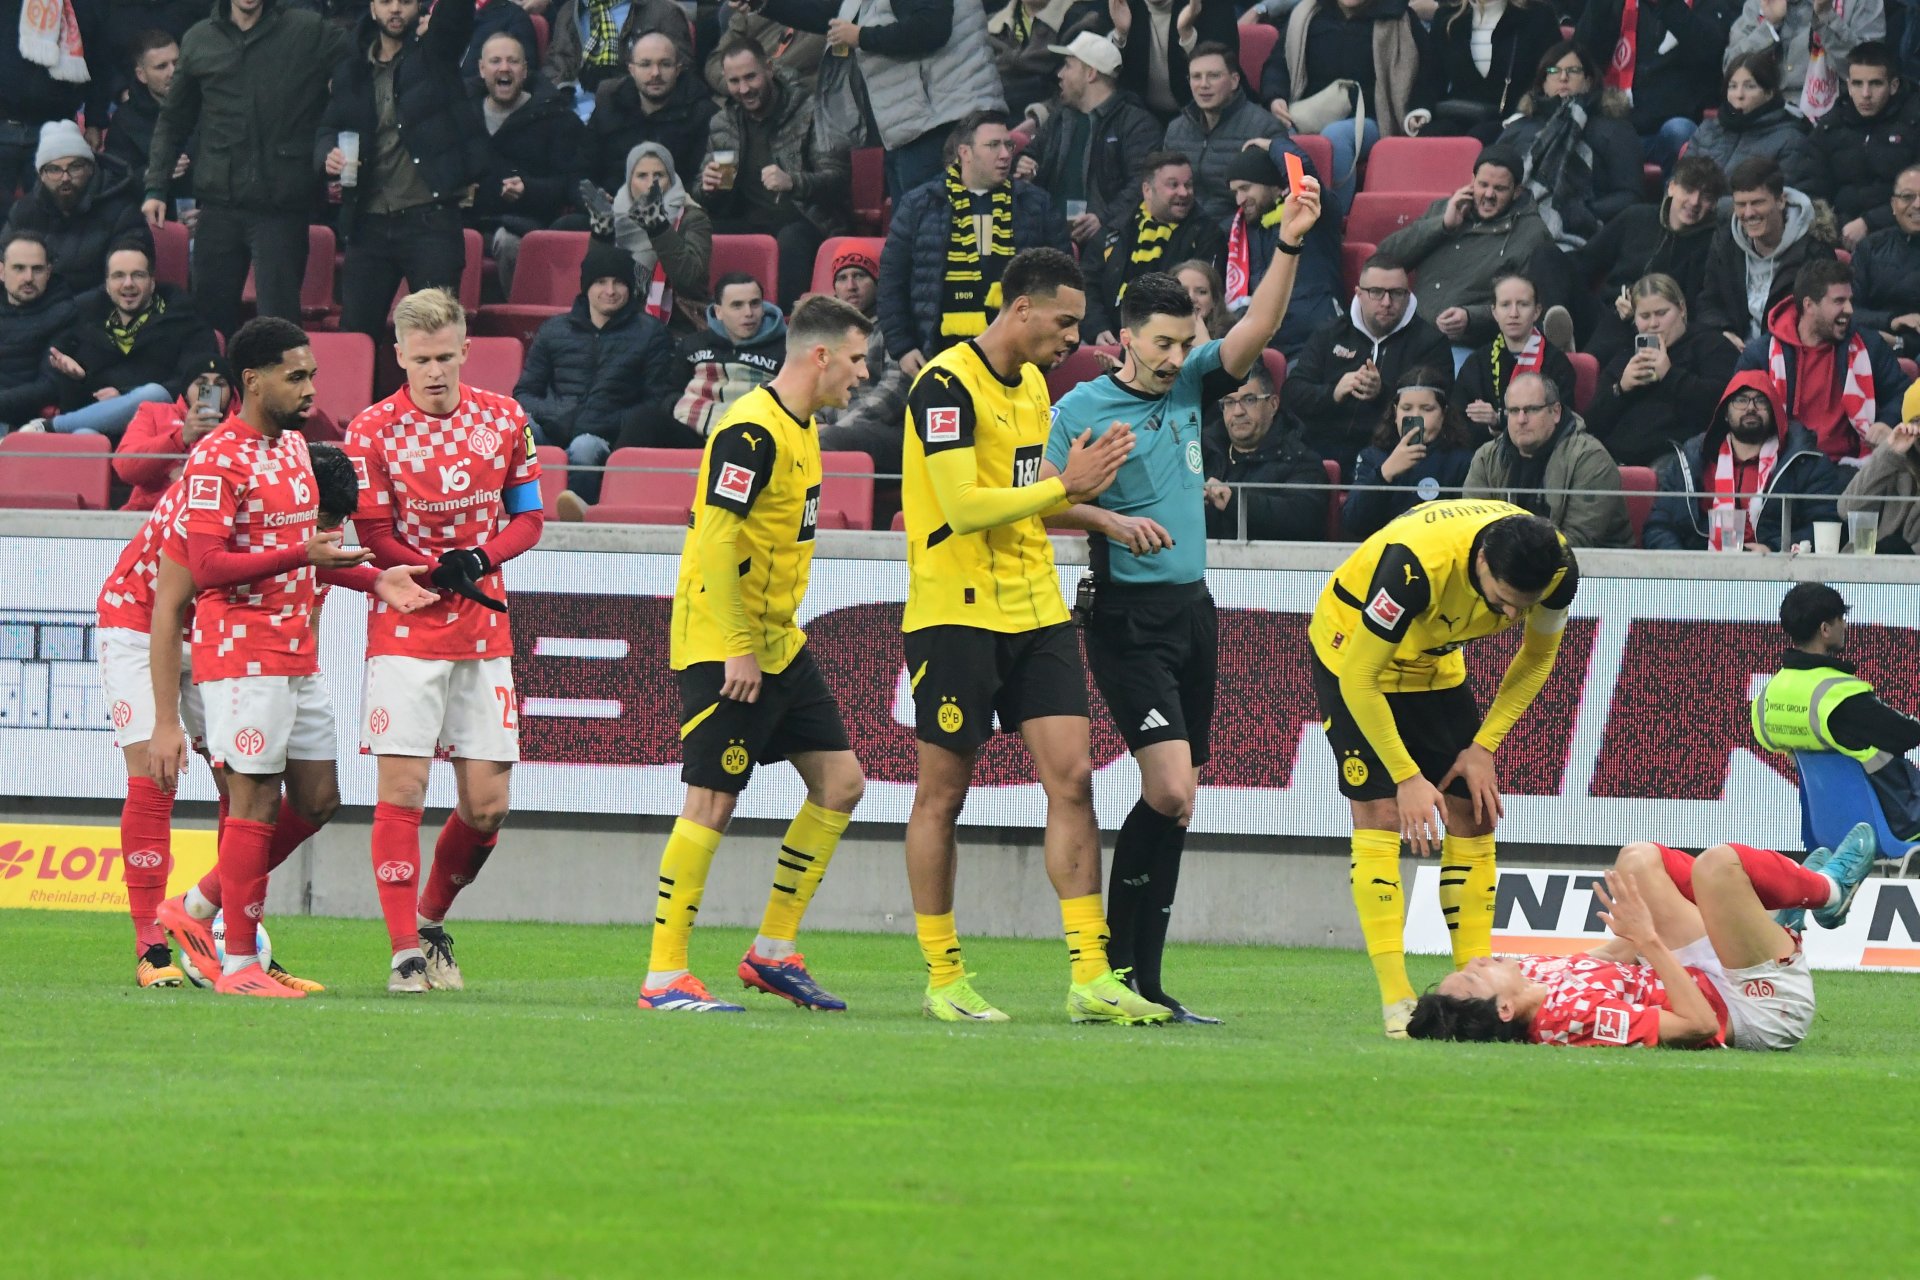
point(1403, 725)
point(986, 630)
point(750, 690)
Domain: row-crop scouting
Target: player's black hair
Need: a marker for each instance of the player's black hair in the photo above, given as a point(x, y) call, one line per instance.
point(1154, 294)
point(263, 343)
point(1039, 273)
point(1438, 1017)
point(1806, 607)
point(339, 487)
point(1524, 552)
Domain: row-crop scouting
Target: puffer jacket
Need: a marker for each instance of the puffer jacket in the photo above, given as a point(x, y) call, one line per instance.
point(1273, 515)
point(822, 176)
point(578, 380)
point(714, 370)
point(1640, 426)
point(439, 124)
point(1475, 379)
point(913, 265)
point(544, 145)
point(107, 217)
point(1679, 523)
point(28, 383)
point(1120, 135)
point(1617, 174)
point(1886, 280)
point(1856, 159)
point(170, 347)
point(1456, 268)
point(1770, 133)
point(130, 140)
point(1578, 462)
point(1212, 149)
point(1737, 278)
point(619, 124)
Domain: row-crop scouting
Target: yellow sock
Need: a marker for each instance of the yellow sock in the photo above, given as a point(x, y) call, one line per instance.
point(1086, 926)
point(684, 864)
point(1468, 883)
point(804, 853)
point(941, 946)
point(1375, 880)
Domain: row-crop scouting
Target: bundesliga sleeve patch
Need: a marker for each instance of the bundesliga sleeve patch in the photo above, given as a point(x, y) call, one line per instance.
point(734, 482)
point(1610, 1024)
point(1385, 610)
point(360, 471)
point(943, 425)
point(203, 493)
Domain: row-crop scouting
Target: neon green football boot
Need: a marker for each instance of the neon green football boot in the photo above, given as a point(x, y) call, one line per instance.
point(959, 1002)
point(1107, 999)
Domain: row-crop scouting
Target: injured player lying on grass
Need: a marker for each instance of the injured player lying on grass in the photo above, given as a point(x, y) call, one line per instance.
point(1705, 955)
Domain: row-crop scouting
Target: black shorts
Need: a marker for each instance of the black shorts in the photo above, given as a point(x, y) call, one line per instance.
point(963, 676)
point(1436, 727)
point(721, 740)
point(1154, 652)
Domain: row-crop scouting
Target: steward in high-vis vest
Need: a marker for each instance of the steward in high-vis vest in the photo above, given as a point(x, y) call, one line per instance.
point(1815, 702)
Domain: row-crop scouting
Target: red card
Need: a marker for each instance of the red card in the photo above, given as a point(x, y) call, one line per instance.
point(1295, 171)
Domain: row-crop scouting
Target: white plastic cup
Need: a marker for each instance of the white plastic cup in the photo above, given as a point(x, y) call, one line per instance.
point(1863, 531)
point(1730, 526)
point(1076, 209)
point(184, 205)
point(349, 144)
point(1826, 537)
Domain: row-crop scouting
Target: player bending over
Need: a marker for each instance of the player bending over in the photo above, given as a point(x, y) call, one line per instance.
point(750, 690)
point(449, 481)
point(1695, 962)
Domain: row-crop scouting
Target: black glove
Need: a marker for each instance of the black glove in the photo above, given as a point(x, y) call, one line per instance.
point(460, 571)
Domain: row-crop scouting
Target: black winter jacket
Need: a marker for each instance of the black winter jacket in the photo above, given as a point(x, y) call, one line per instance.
point(618, 125)
point(1637, 241)
point(1121, 133)
point(1367, 510)
point(28, 383)
point(1886, 281)
point(1678, 82)
point(1856, 160)
point(1677, 523)
point(1216, 22)
point(1475, 380)
point(543, 144)
point(495, 18)
point(1618, 179)
point(130, 139)
point(107, 217)
point(169, 349)
point(579, 380)
point(1519, 39)
point(28, 91)
point(914, 262)
point(1640, 427)
point(1273, 515)
point(1197, 237)
point(1338, 429)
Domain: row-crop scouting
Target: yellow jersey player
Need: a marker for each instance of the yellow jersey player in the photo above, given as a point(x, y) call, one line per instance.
point(1405, 731)
point(987, 633)
point(750, 690)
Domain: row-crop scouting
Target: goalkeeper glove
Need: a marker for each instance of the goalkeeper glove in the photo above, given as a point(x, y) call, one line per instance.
point(460, 571)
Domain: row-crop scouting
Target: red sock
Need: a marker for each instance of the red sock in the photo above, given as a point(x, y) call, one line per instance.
point(289, 833)
point(1679, 870)
point(243, 880)
point(457, 858)
point(221, 829)
point(146, 855)
point(210, 882)
point(1780, 881)
point(396, 871)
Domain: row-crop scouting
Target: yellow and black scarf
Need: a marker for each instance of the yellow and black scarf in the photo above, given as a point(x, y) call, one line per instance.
point(124, 335)
point(973, 276)
point(1150, 239)
point(603, 37)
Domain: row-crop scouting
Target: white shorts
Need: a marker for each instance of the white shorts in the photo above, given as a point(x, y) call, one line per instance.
point(1769, 1005)
point(439, 707)
point(255, 724)
point(126, 674)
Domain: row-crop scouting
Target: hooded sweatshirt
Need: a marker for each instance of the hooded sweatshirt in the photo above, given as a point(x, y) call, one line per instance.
point(1815, 385)
point(1338, 429)
point(719, 370)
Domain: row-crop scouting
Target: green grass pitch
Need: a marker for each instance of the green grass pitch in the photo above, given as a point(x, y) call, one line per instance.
point(537, 1125)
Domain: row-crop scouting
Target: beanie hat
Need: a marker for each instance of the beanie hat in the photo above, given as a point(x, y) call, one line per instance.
point(855, 258)
point(1255, 164)
point(61, 140)
point(604, 260)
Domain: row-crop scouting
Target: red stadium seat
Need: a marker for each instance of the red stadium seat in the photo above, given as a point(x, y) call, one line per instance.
point(470, 271)
point(38, 501)
point(1257, 40)
point(1276, 362)
point(1653, 183)
point(1421, 164)
point(512, 320)
point(59, 466)
point(1586, 377)
point(316, 286)
point(833, 248)
point(869, 189)
point(637, 513)
point(758, 256)
point(658, 482)
point(1335, 500)
point(899, 522)
point(1318, 150)
point(1910, 368)
point(344, 384)
point(553, 476)
point(846, 490)
point(1081, 365)
point(541, 34)
point(1639, 484)
point(545, 283)
point(493, 364)
point(170, 254)
point(1353, 256)
point(1378, 214)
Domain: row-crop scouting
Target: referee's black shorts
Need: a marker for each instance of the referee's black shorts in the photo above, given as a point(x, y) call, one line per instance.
point(1435, 725)
point(1154, 651)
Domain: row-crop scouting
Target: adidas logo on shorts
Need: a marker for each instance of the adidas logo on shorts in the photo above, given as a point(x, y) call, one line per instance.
point(1154, 720)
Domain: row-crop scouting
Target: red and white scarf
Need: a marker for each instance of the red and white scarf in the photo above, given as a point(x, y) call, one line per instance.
point(1821, 88)
point(1626, 50)
point(1856, 395)
point(1724, 494)
point(659, 296)
point(1531, 358)
point(1239, 264)
point(50, 37)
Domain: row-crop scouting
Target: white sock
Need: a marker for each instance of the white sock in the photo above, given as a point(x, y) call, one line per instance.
point(426, 923)
point(232, 963)
point(411, 953)
point(773, 948)
point(1833, 894)
point(197, 905)
point(657, 978)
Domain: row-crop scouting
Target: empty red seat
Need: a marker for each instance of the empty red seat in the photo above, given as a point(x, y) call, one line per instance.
point(1640, 485)
point(846, 490)
point(316, 286)
point(546, 280)
point(636, 513)
point(170, 254)
point(553, 475)
point(1257, 40)
point(1421, 164)
point(343, 385)
point(1319, 150)
point(1276, 362)
point(493, 364)
point(1586, 377)
point(833, 248)
point(658, 481)
point(1353, 257)
point(1378, 214)
point(1335, 500)
point(69, 470)
point(758, 256)
point(541, 34)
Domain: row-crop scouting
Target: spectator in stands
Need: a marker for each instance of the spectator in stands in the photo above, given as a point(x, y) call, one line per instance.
point(500, 18)
point(1750, 454)
point(1163, 228)
point(1420, 451)
point(1889, 484)
point(741, 349)
point(1251, 452)
point(1518, 347)
point(1753, 121)
point(870, 423)
point(83, 206)
point(1750, 265)
point(534, 156)
point(31, 94)
point(1654, 394)
point(668, 236)
point(1338, 386)
point(1797, 30)
point(1544, 460)
point(1583, 158)
point(586, 368)
point(783, 182)
point(587, 40)
point(925, 71)
point(149, 456)
point(1871, 134)
point(1662, 55)
point(1886, 272)
point(420, 155)
point(1455, 249)
point(156, 57)
point(36, 310)
point(1024, 34)
point(129, 344)
point(1374, 43)
point(653, 102)
point(1201, 280)
point(1159, 39)
point(797, 53)
point(1486, 48)
point(252, 81)
point(939, 275)
point(1093, 142)
point(1215, 125)
point(1840, 382)
point(1253, 237)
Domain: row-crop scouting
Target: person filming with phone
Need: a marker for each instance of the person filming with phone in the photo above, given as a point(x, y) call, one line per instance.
point(1420, 448)
point(1663, 389)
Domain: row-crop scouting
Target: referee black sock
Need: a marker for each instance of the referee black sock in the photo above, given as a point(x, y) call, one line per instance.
point(1132, 888)
point(1156, 912)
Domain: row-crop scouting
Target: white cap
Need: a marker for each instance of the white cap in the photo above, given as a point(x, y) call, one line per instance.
point(1096, 51)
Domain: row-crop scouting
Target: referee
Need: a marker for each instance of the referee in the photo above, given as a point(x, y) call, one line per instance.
point(1150, 632)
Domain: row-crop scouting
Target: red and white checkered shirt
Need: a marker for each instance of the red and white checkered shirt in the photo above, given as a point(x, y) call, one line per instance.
point(442, 480)
point(1597, 1003)
point(127, 598)
point(258, 495)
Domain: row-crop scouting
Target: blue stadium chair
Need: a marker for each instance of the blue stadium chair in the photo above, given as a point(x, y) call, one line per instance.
point(1835, 793)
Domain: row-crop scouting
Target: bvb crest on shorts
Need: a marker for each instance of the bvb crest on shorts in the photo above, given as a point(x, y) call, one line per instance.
point(1353, 769)
point(949, 717)
point(734, 758)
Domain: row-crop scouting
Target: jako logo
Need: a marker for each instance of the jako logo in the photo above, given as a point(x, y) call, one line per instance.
point(14, 859)
point(393, 872)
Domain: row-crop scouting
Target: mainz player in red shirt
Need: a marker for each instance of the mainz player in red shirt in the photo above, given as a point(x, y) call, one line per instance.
point(448, 480)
